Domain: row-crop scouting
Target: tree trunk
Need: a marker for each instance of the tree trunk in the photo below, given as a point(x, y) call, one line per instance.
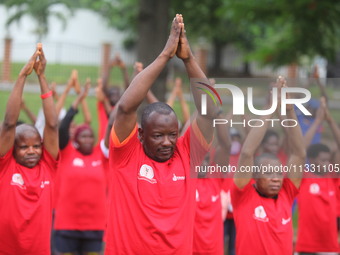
point(218, 47)
point(153, 32)
point(246, 68)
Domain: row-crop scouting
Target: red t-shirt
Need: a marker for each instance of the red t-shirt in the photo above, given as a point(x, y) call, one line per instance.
point(81, 186)
point(208, 226)
point(317, 203)
point(263, 225)
point(152, 203)
point(26, 205)
point(229, 182)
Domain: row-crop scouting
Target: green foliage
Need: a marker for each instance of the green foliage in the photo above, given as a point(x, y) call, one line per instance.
point(289, 30)
point(121, 15)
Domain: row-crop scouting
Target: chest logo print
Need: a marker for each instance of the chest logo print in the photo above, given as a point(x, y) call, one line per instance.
point(146, 173)
point(18, 181)
point(314, 188)
point(260, 214)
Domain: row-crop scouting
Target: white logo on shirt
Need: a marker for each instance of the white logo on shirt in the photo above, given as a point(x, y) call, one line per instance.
point(214, 198)
point(178, 178)
point(96, 163)
point(285, 221)
point(146, 173)
point(18, 180)
point(260, 214)
point(44, 183)
point(78, 162)
point(314, 188)
point(197, 196)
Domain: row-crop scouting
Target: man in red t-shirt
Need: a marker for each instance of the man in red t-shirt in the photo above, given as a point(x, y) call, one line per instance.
point(27, 168)
point(262, 208)
point(317, 201)
point(153, 197)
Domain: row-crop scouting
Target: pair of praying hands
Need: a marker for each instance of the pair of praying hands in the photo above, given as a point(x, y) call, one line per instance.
point(36, 62)
point(177, 43)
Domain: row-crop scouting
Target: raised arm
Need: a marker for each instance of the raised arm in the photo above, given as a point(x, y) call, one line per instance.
point(183, 102)
point(319, 118)
point(122, 66)
point(332, 123)
point(50, 142)
point(296, 147)
point(224, 144)
point(250, 145)
point(196, 74)
point(7, 129)
point(85, 106)
point(28, 112)
point(247, 155)
point(62, 98)
point(133, 96)
point(64, 127)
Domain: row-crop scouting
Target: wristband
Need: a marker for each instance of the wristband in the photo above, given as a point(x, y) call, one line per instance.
point(46, 95)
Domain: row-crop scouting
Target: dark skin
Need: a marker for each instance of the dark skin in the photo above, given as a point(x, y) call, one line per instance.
point(9, 135)
point(85, 140)
point(269, 184)
point(253, 140)
point(159, 136)
point(323, 160)
point(271, 145)
point(178, 45)
point(27, 147)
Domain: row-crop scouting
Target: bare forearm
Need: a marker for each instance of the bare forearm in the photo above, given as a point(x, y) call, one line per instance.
point(335, 130)
point(51, 118)
point(125, 76)
point(30, 115)
point(13, 104)
point(295, 137)
point(308, 137)
point(86, 112)
point(141, 84)
point(61, 100)
point(196, 75)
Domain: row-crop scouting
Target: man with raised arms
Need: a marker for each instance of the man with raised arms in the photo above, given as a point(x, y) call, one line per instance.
point(153, 198)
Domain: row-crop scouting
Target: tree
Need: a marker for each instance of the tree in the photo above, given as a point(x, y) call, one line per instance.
point(208, 20)
point(40, 11)
point(289, 30)
point(146, 21)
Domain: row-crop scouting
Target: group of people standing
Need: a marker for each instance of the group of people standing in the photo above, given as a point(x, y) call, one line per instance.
point(135, 189)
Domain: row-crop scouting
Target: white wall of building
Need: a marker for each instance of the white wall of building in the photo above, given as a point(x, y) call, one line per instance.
point(79, 43)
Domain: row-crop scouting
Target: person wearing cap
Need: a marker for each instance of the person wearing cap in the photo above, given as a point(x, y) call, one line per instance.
point(80, 209)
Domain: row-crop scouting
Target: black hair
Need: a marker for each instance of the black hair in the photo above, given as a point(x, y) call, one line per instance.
point(314, 150)
point(264, 156)
point(269, 134)
point(159, 107)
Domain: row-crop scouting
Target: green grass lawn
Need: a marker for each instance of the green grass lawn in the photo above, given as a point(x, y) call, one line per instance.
point(60, 73)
